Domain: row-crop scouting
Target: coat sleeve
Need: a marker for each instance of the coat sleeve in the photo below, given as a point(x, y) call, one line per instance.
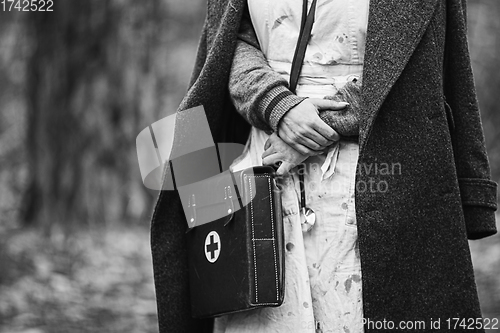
point(478, 192)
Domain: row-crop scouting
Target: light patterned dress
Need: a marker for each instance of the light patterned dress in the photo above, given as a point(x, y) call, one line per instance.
point(323, 290)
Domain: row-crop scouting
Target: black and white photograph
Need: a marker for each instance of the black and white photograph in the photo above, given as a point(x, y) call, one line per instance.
point(249, 166)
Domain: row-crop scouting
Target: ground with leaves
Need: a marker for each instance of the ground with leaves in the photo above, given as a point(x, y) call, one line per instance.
point(102, 281)
point(93, 282)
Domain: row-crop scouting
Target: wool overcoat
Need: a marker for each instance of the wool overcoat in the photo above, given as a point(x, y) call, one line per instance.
point(419, 112)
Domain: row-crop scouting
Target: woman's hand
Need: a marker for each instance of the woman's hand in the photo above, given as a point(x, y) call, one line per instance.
point(345, 122)
point(278, 151)
point(304, 131)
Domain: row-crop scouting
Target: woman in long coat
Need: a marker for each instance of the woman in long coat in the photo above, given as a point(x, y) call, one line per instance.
point(418, 109)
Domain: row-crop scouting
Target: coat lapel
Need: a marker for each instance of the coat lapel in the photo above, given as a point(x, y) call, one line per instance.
point(395, 28)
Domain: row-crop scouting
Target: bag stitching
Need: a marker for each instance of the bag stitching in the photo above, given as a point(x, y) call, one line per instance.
point(258, 239)
point(253, 242)
point(272, 233)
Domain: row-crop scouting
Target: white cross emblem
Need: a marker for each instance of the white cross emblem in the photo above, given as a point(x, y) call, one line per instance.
point(212, 246)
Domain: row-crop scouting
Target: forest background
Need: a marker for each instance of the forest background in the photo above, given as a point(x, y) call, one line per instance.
point(77, 85)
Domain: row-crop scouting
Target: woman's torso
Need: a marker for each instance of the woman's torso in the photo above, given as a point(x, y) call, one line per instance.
point(335, 52)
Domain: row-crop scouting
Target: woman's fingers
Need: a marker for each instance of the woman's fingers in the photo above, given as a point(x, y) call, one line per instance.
point(281, 155)
point(269, 150)
point(314, 137)
point(272, 159)
point(277, 160)
point(314, 133)
point(327, 104)
point(326, 131)
point(268, 144)
point(284, 168)
point(306, 140)
point(303, 125)
point(274, 144)
point(295, 144)
point(307, 137)
point(316, 129)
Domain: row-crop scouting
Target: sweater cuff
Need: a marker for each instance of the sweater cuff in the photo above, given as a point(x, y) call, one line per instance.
point(278, 101)
point(479, 200)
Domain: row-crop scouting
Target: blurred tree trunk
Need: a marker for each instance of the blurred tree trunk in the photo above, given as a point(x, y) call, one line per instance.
point(68, 46)
point(99, 72)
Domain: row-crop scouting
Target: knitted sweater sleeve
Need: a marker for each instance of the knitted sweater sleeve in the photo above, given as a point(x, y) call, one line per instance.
point(258, 93)
point(262, 97)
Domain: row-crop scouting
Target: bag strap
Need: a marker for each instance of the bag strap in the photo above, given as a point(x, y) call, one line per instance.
point(298, 59)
